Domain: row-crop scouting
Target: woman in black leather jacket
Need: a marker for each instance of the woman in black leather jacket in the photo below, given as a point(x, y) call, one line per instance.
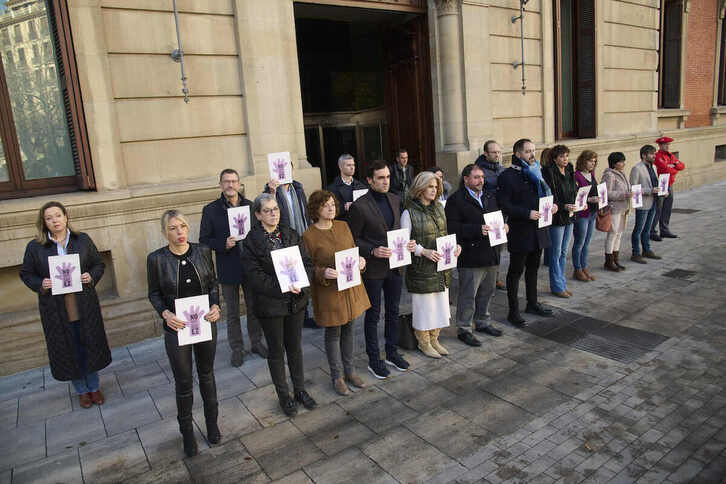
point(281, 315)
point(183, 269)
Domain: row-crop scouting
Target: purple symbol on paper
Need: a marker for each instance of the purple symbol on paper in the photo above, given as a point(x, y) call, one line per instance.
point(278, 166)
point(239, 223)
point(637, 196)
point(193, 317)
point(289, 269)
point(347, 266)
point(64, 273)
point(546, 211)
point(602, 194)
point(448, 249)
point(581, 199)
point(664, 185)
point(497, 227)
point(398, 247)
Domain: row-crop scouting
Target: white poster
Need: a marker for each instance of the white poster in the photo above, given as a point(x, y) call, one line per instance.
point(347, 264)
point(289, 268)
point(398, 242)
point(637, 191)
point(602, 196)
point(545, 211)
point(446, 246)
point(497, 233)
point(239, 222)
point(192, 310)
point(359, 193)
point(663, 184)
point(280, 167)
point(581, 198)
point(65, 272)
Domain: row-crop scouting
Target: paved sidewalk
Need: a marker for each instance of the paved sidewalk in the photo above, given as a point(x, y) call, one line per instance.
point(626, 384)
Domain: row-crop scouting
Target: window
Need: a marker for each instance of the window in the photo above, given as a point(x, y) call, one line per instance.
point(5, 36)
point(18, 34)
point(43, 142)
point(722, 66)
point(32, 31)
point(670, 53)
point(575, 68)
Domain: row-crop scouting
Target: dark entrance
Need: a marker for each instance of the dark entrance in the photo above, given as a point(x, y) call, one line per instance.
point(365, 81)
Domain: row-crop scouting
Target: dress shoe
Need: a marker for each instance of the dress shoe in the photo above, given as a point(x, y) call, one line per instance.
point(97, 397)
point(85, 400)
point(580, 275)
point(590, 276)
point(489, 329)
point(306, 400)
point(355, 380)
point(288, 406)
point(668, 235)
point(569, 293)
point(501, 286)
point(469, 339)
point(655, 237)
point(639, 259)
point(260, 349)
point(515, 318)
point(562, 294)
point(213, 433)
point(538, 309)
point(340, 387)
point(649, 254)
point(237, 359)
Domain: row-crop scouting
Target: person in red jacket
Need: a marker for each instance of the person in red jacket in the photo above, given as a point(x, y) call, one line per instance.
point(665, 162)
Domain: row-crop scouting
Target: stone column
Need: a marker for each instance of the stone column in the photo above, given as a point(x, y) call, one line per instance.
point(450, 57)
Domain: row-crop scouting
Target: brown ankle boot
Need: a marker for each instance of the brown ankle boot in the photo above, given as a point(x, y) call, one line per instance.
point(616, 254)
point(580, 275)
point(610, 264)
point(588, 275)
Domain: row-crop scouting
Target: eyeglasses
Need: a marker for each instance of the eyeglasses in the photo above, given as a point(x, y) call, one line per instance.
point(268, 211)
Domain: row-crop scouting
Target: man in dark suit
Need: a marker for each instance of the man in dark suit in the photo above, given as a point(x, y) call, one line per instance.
point(292, 202)
point(370, 218)
point(401, 174)
point(214, 233)
point(478, 262)
point(344, 184)
point(518, 192)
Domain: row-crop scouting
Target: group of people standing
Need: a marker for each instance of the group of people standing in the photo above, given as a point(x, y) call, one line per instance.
point(331, 221)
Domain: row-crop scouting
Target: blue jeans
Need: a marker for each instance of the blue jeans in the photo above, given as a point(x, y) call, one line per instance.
point(641, 231)
point(560, 235)
point(391, 287)
point(88, 383)
point(582, 234)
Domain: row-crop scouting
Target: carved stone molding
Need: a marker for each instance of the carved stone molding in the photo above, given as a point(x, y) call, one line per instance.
point(448, 7)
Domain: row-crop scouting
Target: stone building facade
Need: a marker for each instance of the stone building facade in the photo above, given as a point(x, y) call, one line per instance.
point(143, 150)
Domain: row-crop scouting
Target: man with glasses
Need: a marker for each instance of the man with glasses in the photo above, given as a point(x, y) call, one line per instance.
point(490, 161)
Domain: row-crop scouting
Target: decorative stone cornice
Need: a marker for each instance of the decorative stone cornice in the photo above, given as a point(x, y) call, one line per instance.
point(448, 7)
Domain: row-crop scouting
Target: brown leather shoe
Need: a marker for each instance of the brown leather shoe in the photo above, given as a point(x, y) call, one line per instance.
point(580, 275)
point(563, 294)
point(97, 397)
point(355, 380)
point(85, 400)
point(649, 254)
point(639, 259)
point(501, 285)
point(568, 293)
point(588, 275)
point(610, 263)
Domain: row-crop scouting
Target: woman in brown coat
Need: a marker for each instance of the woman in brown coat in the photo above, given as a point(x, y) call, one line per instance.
point(334, 310)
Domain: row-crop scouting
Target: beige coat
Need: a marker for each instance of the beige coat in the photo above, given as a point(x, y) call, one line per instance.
point(618, 188)
point(332, 307)
point(639, 176)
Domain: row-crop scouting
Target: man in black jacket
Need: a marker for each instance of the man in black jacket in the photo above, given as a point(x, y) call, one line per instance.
point(401, 174)
point(214, 233)
point(371, 217)
point(478, 262)
point(519, 189)
point(491, 162)
point(344, 184)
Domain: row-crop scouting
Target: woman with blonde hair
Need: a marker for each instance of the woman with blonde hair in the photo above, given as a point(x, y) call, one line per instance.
point(429, 288)
point(178, 270)
point(72, 323)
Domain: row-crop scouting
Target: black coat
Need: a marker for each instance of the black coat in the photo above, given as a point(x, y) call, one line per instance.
point(344, 193)
point(53, 316)
point(162, 275)
point(213, 233)
point(465, 217)
point(491, 173)
point(281, 198)
point(564, 190)
point(369, 230)
point(268, 299)
point(397, 185)
point(517, 195)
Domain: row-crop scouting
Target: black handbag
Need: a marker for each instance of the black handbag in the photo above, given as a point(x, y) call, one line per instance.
point(406, 337)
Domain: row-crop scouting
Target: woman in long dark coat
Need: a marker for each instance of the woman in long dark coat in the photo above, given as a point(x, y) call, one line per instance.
point(72, 323)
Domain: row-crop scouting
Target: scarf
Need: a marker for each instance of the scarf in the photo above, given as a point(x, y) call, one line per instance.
point(534, 173)
point(297, 220)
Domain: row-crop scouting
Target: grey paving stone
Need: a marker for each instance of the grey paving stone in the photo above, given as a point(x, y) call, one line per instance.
point(129, 413)
point(140, 378)
point(164, 397)
point(491, 412)
point(47, 403)
point(376, 410)
point(22, 444)
point(226, 463)
point(162, 441)
point(526, 394)
point(64, 467)
point(234, 419)
point(172, 473)
point(257, 371)
point(8, 413)
point(332, 429)
point(73, 430)
point(263, 404)
point(109, 387)
point(231, 382)
point(348, 466)
point(298, 477)
point(6, 476)
point(114, 459)
point(687, 471)
point(147, 351)
point(14, 386)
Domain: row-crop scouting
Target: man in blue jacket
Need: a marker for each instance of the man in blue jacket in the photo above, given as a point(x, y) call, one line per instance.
point(214, 233)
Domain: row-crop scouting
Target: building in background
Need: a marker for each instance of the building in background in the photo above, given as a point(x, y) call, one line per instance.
point(92, 113)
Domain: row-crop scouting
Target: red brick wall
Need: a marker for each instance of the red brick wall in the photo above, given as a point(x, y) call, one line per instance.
point(700, 56)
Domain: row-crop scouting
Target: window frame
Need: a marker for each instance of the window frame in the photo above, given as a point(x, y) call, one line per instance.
point(680, 51)
point(83, 179)
point(721, 58)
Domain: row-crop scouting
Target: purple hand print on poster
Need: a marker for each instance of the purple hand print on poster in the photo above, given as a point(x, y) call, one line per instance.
point(239, 223)
point(602, 195)
point(398, 245)
point(545, 211)
point(346, 263)
point(497, 233)
point(64, 272)
point(447, 251)
point(446, 246)
point(399, 248)
point(280, 165)
point(289, 268)
point(663, 180)
point(193, 317)
point(239, 219)
point(581, 199)
point(497, 227)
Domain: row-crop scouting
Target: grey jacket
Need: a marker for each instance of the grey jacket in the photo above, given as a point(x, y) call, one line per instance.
point(639, 175)
point(618, 188)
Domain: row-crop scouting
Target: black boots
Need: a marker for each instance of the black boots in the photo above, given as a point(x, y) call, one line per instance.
point(186, 424)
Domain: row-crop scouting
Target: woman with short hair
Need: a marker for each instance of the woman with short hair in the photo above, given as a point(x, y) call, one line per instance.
point(72, 323)
point(619, 200)
point(281, 314)
point(335, 310)
point(584, 219)
point(428, 287)
point(184, 269)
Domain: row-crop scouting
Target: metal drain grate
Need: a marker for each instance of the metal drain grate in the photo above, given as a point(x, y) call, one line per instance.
point(685, 210)
point(682, 274)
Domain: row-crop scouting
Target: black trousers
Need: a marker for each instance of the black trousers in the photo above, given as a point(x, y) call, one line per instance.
point(519, 262)
point(284, 338)
point(180, 359)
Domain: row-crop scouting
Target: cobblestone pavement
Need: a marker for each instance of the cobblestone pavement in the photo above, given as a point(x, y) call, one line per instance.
point(626, 384)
